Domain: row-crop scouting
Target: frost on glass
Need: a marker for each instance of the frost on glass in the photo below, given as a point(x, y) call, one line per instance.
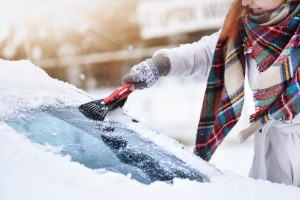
point(103, 145)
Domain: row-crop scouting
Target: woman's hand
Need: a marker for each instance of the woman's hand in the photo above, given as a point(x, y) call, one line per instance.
point(146, 73)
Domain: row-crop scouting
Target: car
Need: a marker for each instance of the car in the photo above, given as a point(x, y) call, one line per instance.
point(50, 150)
point(99, 145)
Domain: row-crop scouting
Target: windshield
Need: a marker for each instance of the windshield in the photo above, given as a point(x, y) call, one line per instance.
point(103, 145)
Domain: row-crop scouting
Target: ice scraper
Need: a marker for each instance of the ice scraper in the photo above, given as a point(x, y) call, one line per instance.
point(98, 109)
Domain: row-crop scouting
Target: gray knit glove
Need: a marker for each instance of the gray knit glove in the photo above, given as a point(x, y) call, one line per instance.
point(146, 73)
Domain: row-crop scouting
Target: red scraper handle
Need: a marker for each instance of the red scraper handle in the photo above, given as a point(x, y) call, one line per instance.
point(120, 93)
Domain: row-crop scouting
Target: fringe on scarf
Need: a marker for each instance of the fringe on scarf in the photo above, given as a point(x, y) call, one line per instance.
point(246, 133)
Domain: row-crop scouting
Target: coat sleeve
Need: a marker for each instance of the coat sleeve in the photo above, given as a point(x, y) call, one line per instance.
point(193, 59)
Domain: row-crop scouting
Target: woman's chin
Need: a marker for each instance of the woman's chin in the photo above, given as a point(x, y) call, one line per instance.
point(257, 11)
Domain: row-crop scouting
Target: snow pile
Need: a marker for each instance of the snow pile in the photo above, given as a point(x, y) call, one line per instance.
point(31, 171)
point(25, 86)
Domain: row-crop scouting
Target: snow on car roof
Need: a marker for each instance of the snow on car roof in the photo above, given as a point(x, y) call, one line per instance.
point(26, 86)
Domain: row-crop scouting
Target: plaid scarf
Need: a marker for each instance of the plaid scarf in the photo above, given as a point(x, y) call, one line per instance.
point(274, 38)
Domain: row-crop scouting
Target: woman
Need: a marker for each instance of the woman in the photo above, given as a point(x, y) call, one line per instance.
point(260, 38)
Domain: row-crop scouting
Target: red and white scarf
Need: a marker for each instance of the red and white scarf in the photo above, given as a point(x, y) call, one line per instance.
point(274, 37)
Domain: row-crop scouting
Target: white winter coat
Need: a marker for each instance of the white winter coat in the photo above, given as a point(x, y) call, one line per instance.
point(277, 147)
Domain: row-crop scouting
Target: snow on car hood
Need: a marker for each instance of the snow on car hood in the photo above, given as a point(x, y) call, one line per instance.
point(26, 86)
point(32, 171)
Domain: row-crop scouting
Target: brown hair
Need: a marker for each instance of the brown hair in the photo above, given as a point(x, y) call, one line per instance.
point(233, 22)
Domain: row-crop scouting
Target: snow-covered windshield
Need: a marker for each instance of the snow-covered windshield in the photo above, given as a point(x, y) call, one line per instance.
point(103, 145)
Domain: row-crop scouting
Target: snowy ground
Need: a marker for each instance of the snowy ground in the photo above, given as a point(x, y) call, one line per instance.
point(30, 171)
